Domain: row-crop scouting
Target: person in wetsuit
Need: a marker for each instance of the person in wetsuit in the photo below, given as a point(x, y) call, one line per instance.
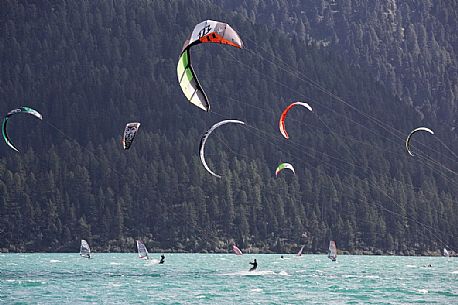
point(162, 259)
point(255, 265)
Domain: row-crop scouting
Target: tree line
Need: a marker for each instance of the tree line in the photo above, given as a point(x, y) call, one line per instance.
point(91, 67)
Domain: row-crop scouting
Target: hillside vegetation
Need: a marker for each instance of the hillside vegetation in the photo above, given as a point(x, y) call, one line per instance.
point(90, 67)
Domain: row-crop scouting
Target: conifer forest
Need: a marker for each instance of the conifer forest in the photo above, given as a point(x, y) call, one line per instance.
point(372, 70)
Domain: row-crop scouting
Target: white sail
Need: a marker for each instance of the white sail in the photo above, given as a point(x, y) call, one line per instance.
point(142, 251)
point(236, 250)
point(332, 250)
point(85, 251)
point(446, 254)
point(300, 251)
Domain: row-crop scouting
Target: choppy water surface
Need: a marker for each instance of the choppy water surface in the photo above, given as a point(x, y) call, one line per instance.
point(224, 279)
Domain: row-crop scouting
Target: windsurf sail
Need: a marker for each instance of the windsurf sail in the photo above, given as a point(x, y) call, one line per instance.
point(236, 250)
point(85, 251)
point(446, 254)
point(142, 251)
point(300, 251)
point(332, 254)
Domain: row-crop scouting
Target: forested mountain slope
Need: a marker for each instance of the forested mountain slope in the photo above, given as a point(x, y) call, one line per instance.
point(91, 67)
point(409, 46)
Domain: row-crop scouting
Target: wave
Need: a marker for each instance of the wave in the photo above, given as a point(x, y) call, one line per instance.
point(152, 262)
point(251, 273)
point(422, 291)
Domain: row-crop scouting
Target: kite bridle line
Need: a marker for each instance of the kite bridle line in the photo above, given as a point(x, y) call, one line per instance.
point(301, 94)
point(81, 146)
point(302, 123)
point(344, 161)
point(286, 86)
point(333, 111)
point(301, 76)
point(446, 147)
point(301, 148)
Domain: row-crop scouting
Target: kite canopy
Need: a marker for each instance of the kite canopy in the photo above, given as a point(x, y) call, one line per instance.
point(129, 134)
point(285, 112)
point(214, 32)
point(204, 138)
point(283, 166)
point(411, 134)
point(24, 109)
point(208, 31)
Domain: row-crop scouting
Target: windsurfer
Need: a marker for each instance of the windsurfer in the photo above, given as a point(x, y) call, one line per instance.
point(162, 259)
point(255, 265)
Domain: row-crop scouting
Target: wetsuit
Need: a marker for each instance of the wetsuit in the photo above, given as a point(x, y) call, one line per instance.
point(162, 259)
point(255, 265)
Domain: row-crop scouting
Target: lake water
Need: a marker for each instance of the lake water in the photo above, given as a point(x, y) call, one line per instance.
point(224, 279)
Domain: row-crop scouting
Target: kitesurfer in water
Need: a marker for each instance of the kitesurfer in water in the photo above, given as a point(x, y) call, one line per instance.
point(162, 259)
point(255, 265)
